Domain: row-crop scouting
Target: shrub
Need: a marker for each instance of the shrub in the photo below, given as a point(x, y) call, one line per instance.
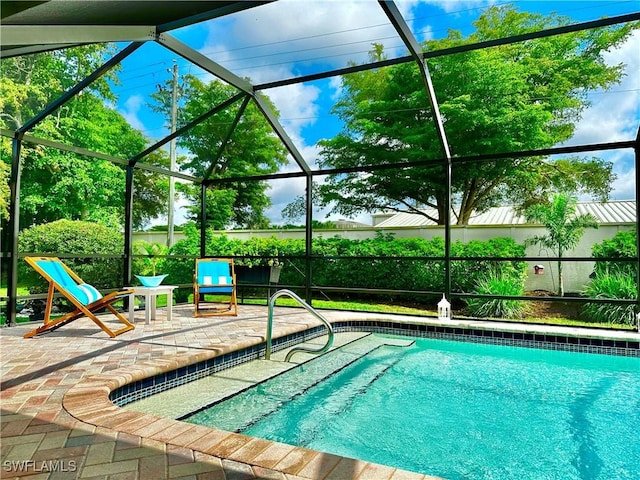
point(496, 307)
point(615, 286)
point(622, 245)
point(74, 238)
point(466, 274)
point(383, 262)
point(390, 265)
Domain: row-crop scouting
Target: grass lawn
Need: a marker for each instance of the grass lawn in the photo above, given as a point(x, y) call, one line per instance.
point(21, 291)
point(361, 306)
point(404, 310)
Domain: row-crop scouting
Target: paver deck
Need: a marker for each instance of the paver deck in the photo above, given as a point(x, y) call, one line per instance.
point(57, 420)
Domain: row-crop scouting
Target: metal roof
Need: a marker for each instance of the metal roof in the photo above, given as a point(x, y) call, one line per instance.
point(614, 212)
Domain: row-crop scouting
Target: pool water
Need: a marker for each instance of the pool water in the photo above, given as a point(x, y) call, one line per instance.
point(456, 410)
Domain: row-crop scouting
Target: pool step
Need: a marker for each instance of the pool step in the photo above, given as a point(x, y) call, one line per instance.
point(262, 400)
point(304, 413)
point(185, 399)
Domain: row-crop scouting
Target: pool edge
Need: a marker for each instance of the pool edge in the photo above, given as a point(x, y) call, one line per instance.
point(90, 402)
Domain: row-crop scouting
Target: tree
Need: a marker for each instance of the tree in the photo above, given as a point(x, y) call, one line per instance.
point(252, 150)
point(564, 227)
point(84, 188)
point(516, 97)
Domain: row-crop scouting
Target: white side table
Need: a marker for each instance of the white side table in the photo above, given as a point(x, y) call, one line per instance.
point(150, 294)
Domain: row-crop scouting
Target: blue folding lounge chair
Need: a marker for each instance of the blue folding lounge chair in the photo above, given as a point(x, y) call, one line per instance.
point(217, 277)
point(85, 298)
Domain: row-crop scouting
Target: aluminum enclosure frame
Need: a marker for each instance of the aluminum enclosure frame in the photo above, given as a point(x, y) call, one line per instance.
point(21, 39)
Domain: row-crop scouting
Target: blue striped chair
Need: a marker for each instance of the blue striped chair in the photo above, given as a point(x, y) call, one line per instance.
point(86, 299)
point(215, 277)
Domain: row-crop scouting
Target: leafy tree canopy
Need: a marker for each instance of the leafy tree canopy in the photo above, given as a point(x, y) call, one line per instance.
point(252, 149)
point(4, 191)
point(58, 184)
point(517, 97)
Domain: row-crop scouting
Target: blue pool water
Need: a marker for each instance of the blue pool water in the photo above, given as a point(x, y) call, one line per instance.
point(456, 410)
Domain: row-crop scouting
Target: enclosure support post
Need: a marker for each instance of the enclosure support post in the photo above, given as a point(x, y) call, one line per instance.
point(410, 41)
point(203, 219)
point(308, 239)
point(447, 232)
point(128, 225)
point(636, 151)
point(14, 228)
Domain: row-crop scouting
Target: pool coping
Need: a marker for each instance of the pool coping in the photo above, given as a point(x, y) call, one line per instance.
point(89, 400)
point(580, 342)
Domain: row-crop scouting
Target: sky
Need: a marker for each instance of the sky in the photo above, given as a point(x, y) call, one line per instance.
point(289, 38)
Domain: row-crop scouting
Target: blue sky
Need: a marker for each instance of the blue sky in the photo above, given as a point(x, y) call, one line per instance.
point(289, 38)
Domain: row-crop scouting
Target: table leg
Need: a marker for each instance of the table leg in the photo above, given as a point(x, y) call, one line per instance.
point(169, 305)
point(147, 308)
point(132, 306)
point(154, 301)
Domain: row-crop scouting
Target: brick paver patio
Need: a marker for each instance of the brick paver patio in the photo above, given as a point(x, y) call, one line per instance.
point(57, 420)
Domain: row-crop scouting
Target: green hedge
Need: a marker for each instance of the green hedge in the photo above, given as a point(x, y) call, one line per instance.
point(393, 270)
point(622, 245)
point(383, 262)
point(74, 238)
point(613, 279)
point(388, 267)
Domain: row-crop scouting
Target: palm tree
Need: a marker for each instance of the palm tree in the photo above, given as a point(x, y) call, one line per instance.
point(564, 227)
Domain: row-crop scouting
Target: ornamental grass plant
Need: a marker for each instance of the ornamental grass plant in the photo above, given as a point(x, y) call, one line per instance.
point(498, 307)
point(616, 286)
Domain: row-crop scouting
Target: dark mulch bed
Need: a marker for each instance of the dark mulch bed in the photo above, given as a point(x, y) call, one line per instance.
point(553, 309)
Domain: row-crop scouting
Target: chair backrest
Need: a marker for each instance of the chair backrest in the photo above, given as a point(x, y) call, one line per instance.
point(53, 270)
point(210, 271)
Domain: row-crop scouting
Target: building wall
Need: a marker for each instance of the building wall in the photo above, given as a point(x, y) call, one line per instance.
point(576, 273)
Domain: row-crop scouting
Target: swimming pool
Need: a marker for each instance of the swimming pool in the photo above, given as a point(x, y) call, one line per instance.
point(454, 409)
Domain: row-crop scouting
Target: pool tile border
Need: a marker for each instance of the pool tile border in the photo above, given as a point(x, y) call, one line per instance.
point(146, 387)
point(547, 341)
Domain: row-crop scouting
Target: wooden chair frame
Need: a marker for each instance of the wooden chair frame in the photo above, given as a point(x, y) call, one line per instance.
point(81, 309)
point(215, 287)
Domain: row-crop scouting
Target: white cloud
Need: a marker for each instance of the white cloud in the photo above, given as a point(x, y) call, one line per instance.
point(615, 116)
point(264, 42)
point(131, 111)
point(624, 188)
point(297, 107)
point(335, 84)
